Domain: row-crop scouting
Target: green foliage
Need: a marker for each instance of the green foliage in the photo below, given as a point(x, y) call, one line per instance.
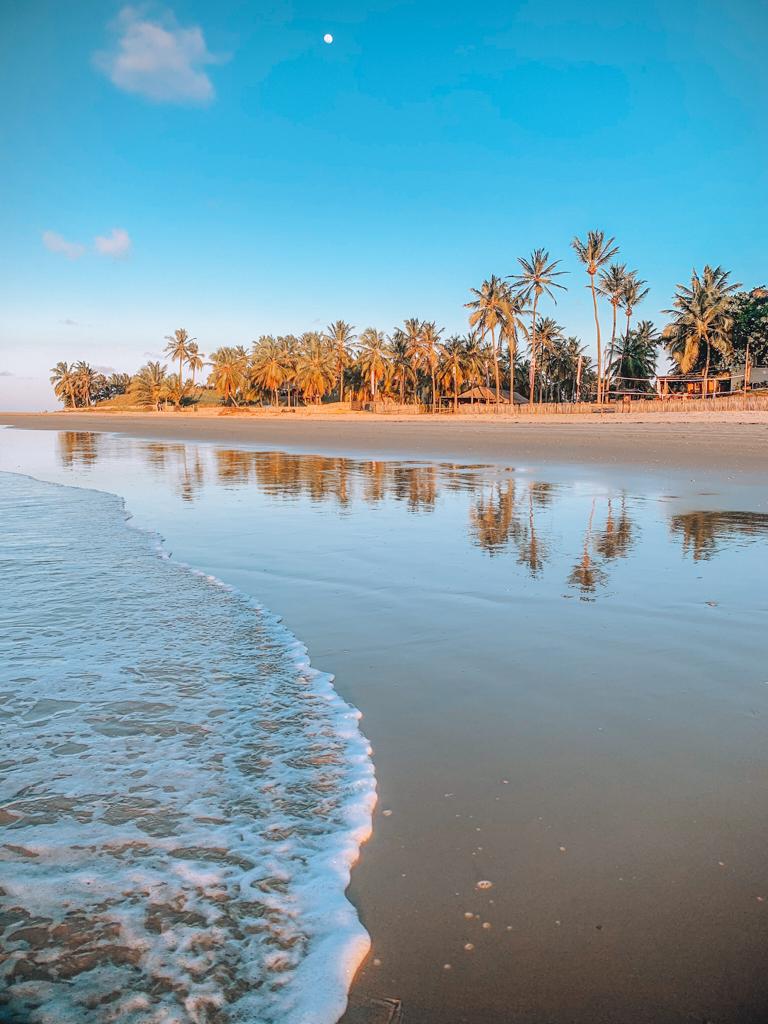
point(749, 312)
point(702, 325)
point(634, 367)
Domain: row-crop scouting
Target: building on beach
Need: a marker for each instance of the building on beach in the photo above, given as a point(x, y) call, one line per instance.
point(480, 395)
point(721, 382)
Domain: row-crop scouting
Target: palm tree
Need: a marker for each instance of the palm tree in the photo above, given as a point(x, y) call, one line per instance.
point(195, 359)
point(512, 324)
point(85, 381)
point(421, 340)
point(701, 318)
point(100, 389)
point(637, 360)
point(475, 358)
point(340, 335)
point(549, 332)
point(410, 333)
point(574, 365)
point(399, 360)
point(594, 253)
point(63, 380)
point(229, 372)
point(178, 347)
point(611, 284)
point(373, 357)
point(452, 366)
point(175, 390)
point(316, 366)
point(117, 384)
point(289, 354)
point(148, 386)
point(490, 310)
point(537, 279)
point(632, 294)
point(269, 368)
point(430, 355)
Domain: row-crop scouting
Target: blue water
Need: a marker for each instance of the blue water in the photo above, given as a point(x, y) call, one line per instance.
point(182, 795)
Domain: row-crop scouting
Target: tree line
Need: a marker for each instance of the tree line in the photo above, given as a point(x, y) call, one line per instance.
point(513, 350)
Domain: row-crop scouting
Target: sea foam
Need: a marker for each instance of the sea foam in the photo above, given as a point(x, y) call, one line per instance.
point(182, 796)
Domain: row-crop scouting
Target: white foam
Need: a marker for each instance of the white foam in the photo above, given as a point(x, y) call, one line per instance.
point(187, 794)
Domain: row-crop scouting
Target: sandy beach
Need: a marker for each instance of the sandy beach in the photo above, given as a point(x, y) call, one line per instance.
point(585, 757)
point(736, 442)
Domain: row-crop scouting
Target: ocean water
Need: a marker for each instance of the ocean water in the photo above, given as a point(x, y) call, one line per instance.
point(563, 679)
point(182, 794)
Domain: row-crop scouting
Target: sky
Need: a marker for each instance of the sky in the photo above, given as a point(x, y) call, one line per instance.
point(219, 167)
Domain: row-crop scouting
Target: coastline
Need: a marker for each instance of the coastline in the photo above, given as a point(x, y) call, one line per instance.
point(735, 443)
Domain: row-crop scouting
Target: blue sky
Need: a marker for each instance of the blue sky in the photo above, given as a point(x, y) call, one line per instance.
point(219, 167)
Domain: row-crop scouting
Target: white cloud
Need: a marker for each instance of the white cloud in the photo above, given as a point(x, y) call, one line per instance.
point(55, 242)
point(159, 59)
point(68, 322)
point(117, 244)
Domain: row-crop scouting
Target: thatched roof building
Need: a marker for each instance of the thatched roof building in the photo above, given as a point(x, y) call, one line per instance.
point(487, 396)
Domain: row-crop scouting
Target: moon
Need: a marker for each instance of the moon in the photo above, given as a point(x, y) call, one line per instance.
point(328, 38)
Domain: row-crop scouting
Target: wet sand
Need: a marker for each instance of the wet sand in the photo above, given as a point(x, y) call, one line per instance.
point(731, 442)
point(608, 782)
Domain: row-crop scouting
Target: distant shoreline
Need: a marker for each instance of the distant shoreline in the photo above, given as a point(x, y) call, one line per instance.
point(732, 442)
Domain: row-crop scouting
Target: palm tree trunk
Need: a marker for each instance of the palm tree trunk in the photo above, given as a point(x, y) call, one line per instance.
point(706, 372)
point(455, 392)
point(599, 343)
point(496, 368)
point(512, 357)
point(434, 391)
point(532, 368)
point(180, 372)
point(613, 341)
point(341, 381)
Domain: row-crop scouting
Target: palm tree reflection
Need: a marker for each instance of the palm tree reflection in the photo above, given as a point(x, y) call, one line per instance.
point(506, 516)
point(492, 521)
point(505, 512)
point(616, 538)
point(704, 534)
point(587, 574)
point(78, 448)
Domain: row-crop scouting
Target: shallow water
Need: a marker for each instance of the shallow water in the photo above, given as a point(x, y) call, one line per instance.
point(182, 796)
point(562, 673)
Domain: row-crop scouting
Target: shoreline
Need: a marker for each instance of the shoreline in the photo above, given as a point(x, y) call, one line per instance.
point(736, 443)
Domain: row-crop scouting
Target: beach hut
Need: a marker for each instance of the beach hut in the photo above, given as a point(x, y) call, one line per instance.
point(480, 395)
point(693, 385)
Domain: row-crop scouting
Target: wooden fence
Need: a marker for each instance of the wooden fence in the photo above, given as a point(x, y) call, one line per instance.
point(729, 403)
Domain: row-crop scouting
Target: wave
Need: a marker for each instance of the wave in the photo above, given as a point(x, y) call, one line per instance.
point(182, 795)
